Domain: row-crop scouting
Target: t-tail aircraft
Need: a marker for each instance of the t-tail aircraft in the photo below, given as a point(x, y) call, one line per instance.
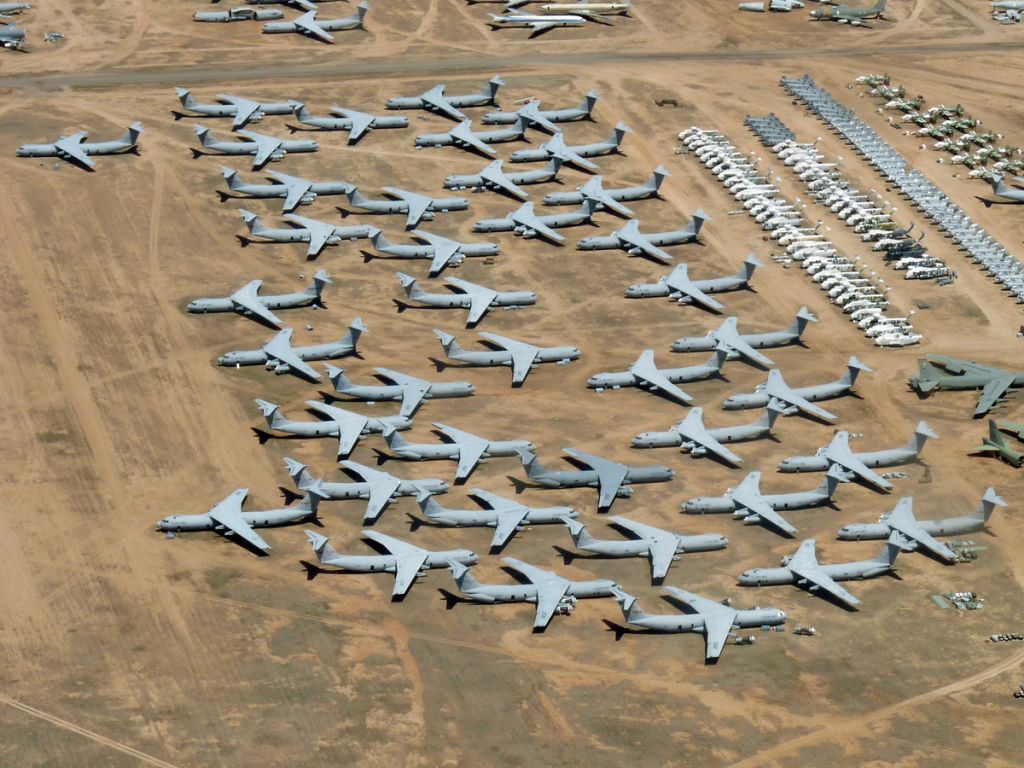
point(358, 124)
point(346, 426)
point(636, 243)
point(248, 302)
point(441, 251)
point(294, 190)
point(520, 356)
point(435, 100)
point(279, 356)
point(410, 391)
point(76, 150)
point(505, 516)
point(745, 345)
point(241, 111)
point(679, 287)
point(492, 177)
point(799, 399)
point(476, 298)
point(308, 25)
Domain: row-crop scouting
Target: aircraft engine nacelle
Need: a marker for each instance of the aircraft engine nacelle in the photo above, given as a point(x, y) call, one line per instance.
point(277, 155)
point(634, 251)
point(563, 609)
point(256, 117)
point(623, 492)
point(428, 216)
point(333, 240)
point(307, 198)
point(696, 451)
point(278, 367)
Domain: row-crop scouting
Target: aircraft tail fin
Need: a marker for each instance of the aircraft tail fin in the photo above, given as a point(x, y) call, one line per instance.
point(831, 481)
point(749, 265)
point(131, 136)
point(310, 503)
point(354, 195)
point(379, 241)
point(994, 435)
point(695, 224)
point(578, 531)
point(772, 411)
point(589, 206)
point(803, 317)
point(853, 369)
point(410, 286)
point(589, 102)
point(998, 185)
point(989, 502)
point(892, 550)
point(252, 221)
point(355, 329)
point(299, 474)
point(554, 165)
point(321, 546)
point(619, 134)
point(392, 437)
point(879, 6)
point(185, 97)
point(320, 279)
point(338, 378)
point(530, 463)
point(300, 111)
point(272, 413)
point(491, 91)
point(629, 604)
point(718, 357)
point(361, 11)
point(927, 378)
point(204, 135)
point(449, 343)
point(464, 580)
point(921, 434)
point(231, 177)
point(658, 176)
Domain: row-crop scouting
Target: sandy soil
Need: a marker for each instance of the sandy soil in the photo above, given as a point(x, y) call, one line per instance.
point(123, 648)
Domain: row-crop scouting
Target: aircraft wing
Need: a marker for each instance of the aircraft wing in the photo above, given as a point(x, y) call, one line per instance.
point(244, 110)
point(549, 595)
point(361, 123)
point(470, 453)
point(407, 568)
point(463, 133)
point(418, 204)
point(816, 576)
point(435, 99)
point(444, 251)
point(661, 551)
point(540, 27)
point(728, 335)
point(902, 520)
point(307, 23)
point(280, 348)
point(296, 189)
point(679, 281)
point(496, 502)
point(647, 371)
point(228, 513)
point(495, 176)
point(525, 217)
point(692, 428)
point(610, 475)
point(319, 233)
point(248, 299)
point(265, 147)
point(634, 239)
point(509, 520)
point(479, 303)
point(991, 393)
point(381, 492)
point(523, 355)
point(567, 155)
point(72, 147)
point(350, 425)
point(532, 112)
point(778, 388)
point(757, 505)
point(718, 619)
point(841, 454)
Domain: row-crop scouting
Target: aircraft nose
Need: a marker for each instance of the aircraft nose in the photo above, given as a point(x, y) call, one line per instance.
point(782, 615)
point(723, 540)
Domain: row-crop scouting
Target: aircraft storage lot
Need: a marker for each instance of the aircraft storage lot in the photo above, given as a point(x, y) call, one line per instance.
point(123, 648)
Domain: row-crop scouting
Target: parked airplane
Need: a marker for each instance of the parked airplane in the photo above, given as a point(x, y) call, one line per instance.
point(538, 24)
point(414, 206)
point(279, 356)
point(920, 534)
point(494, 178)
point(308, 25)
point(746, 502)
point(804, 570)
point(950, 373)
point(410, 391)
point(524, 222)
point(295, 191)
point(407, 562)
point(227, 518)
point(636, 243)
point(518, 355)
point(609, 477)
point(746, 344)
point(714, 620)
point(660, 547)
point(467, 449)
point(995, 444)
point(358, 124)
point(505, 516)
point(838, 452)
point(680, 288)
point(378, 488)
point(462, 136)
point(551, 593)
point(241, 111)
point(572, 155)
point(848, 14)
point(1001, 189)
point(435, 100)
point(12, 37)
point(645, 374)
point(799, 399)
point(76, 150)
point(319, 234)
point(441, 251)
point(694, 437)
point(247, 301)
point(545, 118)
point(610, 198)
point(476, 298)
point(13, 9)
point(239, 14)
point(264, 149)
point(345, 425)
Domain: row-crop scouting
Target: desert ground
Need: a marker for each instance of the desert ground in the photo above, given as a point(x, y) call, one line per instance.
point(120, 647)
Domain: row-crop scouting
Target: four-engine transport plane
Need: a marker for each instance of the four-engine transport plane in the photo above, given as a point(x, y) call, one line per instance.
point(950, 373)
point(228, 519)
point(610, 197)
point(636, 243)
point(406, 561)
point(378, 488)
point(609, 477)
point(462, 136)
point(572, 155)
point(1001, 189)
point(410, 391)
point(715, 621)
point(544, 118)
point(476, 298)
point(494, 178)
point(505, 516)
point(239, 14)
point(358, 124)
point(318, 234)
point(859, 464)
point(679, 287)
point(803, 569)
point(799, 399)
point(414, 206)
point(264, 149)
point(537, 23)
point(525, 223)
point(279, 356)
point(645, 374)
point(345, 425)
point(660, 547)
point(308, 25)
point(294, 190)
point(551, 593)
point(467, 449)
point(435, 100)
point(694, 437)
point(995, 444)
point(920, 534)
point(746, 502)
point(520, 356)
point(77, 151)
point(241, 111)
point(441, 251)
point(850, 14)
point(745, 345)
point(246, 301)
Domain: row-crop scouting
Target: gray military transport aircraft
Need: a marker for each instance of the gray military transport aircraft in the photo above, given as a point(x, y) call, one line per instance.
point(414, 206)
point(309, 25)
point(76, 150)
point(358, 124)
point(575, 155)
point(410, 391)
point(610, 198)
point(636, 243)
point(477, 299)
point(294, 190)
point(465, 448)
point(263, 148)
point(435, 100)
point(241, 111)
point(545, 118)
point(645, 374)
point(745, 345)
point(317, 234)
point(799, 399)
point(279, 356)
point(525, 222)
point(679, 287)
point(493, 177)
point(248, 302)
point(240, 13)
point(440, 251)
point(462, 136)
point(520, 356)
point(348, 427)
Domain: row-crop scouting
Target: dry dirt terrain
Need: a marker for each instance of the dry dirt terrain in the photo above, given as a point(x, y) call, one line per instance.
point(122, 648)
